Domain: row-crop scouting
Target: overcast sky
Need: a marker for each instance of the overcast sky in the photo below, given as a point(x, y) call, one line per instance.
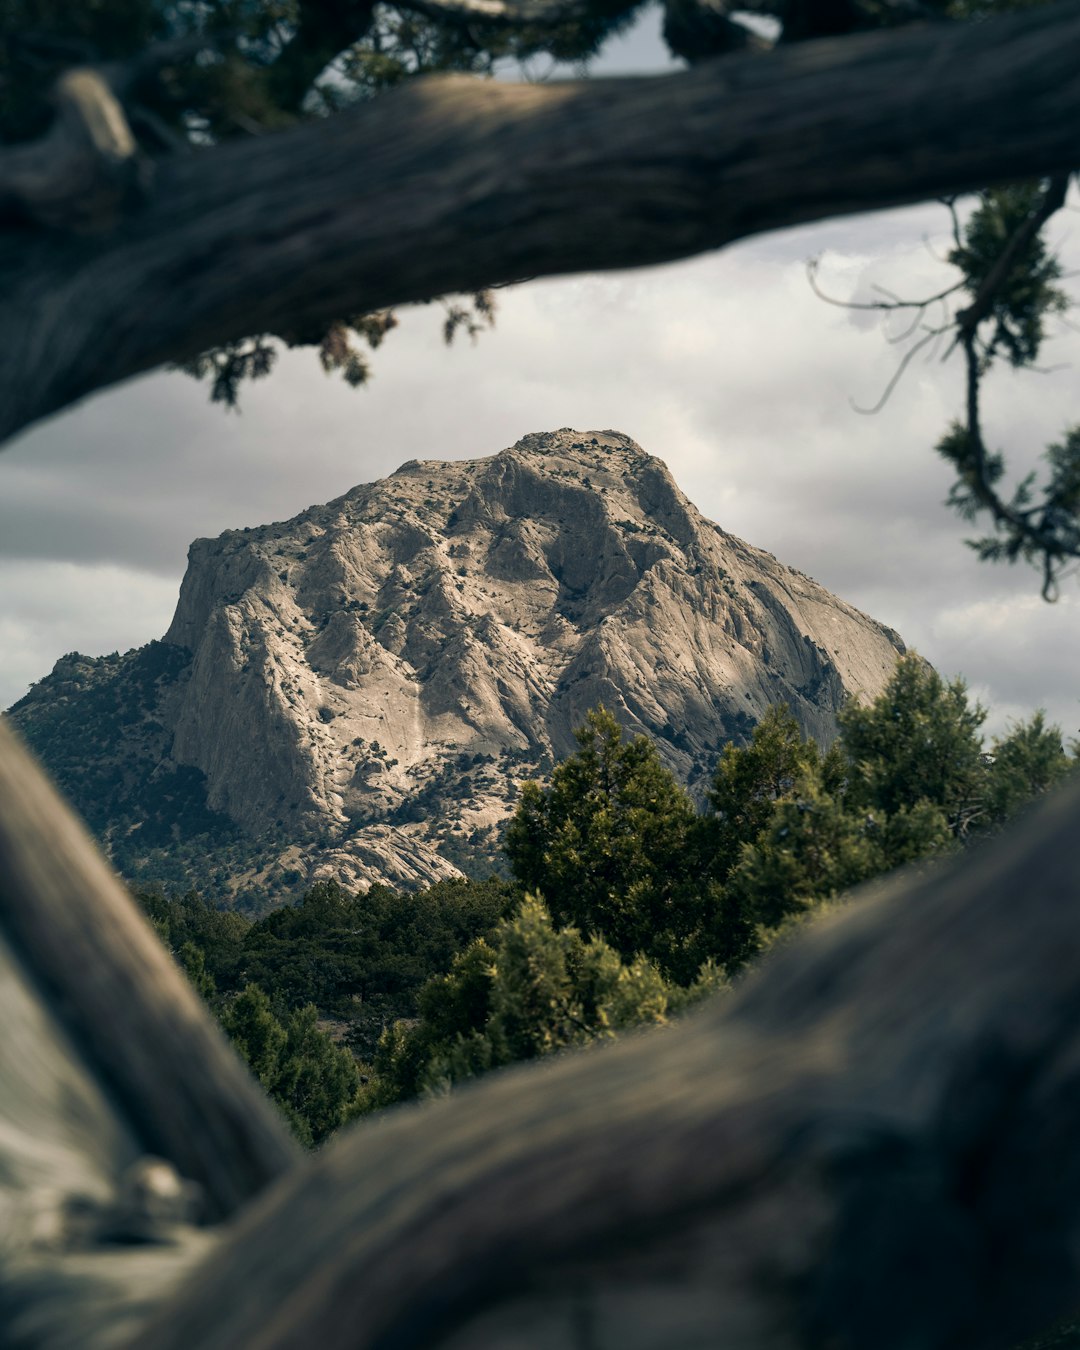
point(725, 366)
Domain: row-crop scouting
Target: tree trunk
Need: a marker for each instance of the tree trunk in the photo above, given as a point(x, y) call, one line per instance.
point(452, 184)
point(141, 1028)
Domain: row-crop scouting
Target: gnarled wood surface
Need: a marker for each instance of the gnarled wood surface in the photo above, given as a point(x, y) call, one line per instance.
point(68, 1161)
point(871, 1143)
point(141, 1028)
point(77, 177)
point(457, 183)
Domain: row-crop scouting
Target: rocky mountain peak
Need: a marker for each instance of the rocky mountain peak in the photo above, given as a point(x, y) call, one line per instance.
point(371, 679)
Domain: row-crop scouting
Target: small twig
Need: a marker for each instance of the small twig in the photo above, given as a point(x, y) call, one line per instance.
point(80, 175)
point(813, 265)
point(902, 337)
point(931, 333)
point(950, 205)
point(932, 251)
point(935, 345)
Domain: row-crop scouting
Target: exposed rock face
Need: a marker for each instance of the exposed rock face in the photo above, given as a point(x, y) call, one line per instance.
point(383, 670)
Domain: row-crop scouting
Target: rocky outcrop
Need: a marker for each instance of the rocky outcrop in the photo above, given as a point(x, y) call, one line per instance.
point(373, 678)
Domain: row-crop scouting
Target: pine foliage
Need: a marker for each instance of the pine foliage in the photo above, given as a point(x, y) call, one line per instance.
point(534, 991)
point(628, 904)
point(611, 845)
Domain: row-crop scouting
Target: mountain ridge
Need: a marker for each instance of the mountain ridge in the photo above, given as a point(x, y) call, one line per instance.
point(344, 681)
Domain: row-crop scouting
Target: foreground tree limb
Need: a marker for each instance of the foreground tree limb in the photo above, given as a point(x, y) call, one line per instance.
point(79, 177)
point(873, 1143)
point(455, 184)
point(140, 1026)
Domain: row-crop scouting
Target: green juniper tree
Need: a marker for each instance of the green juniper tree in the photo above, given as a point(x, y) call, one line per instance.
point(918, 741)
point(536, 989)
point(251, 1025)
point(1023, 765)
point(465, 977)
point(811, 847)
point(317, 1081)
point(611, 844)
point(906, 780)
point(750, 780)
point(363, 957)
point(313, 1081)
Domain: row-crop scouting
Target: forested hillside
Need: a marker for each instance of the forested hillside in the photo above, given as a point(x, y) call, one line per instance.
point(627, 903)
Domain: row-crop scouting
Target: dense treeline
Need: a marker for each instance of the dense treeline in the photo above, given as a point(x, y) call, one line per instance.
point(354, 962)
point(627, 903)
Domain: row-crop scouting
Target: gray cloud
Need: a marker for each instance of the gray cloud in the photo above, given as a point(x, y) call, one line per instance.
point(48, 608)
point(725, 366)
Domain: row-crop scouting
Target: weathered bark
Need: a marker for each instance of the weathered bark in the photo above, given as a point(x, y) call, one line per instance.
point(67, 1159)
point(78, 176)
point(453, 184)
point(872, 1144)
point(140, 1026)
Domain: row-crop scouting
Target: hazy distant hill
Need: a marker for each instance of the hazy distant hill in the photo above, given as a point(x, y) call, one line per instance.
point(358, 691)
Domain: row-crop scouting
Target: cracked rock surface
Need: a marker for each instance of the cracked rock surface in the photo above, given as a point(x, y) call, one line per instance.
point(372, 680)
